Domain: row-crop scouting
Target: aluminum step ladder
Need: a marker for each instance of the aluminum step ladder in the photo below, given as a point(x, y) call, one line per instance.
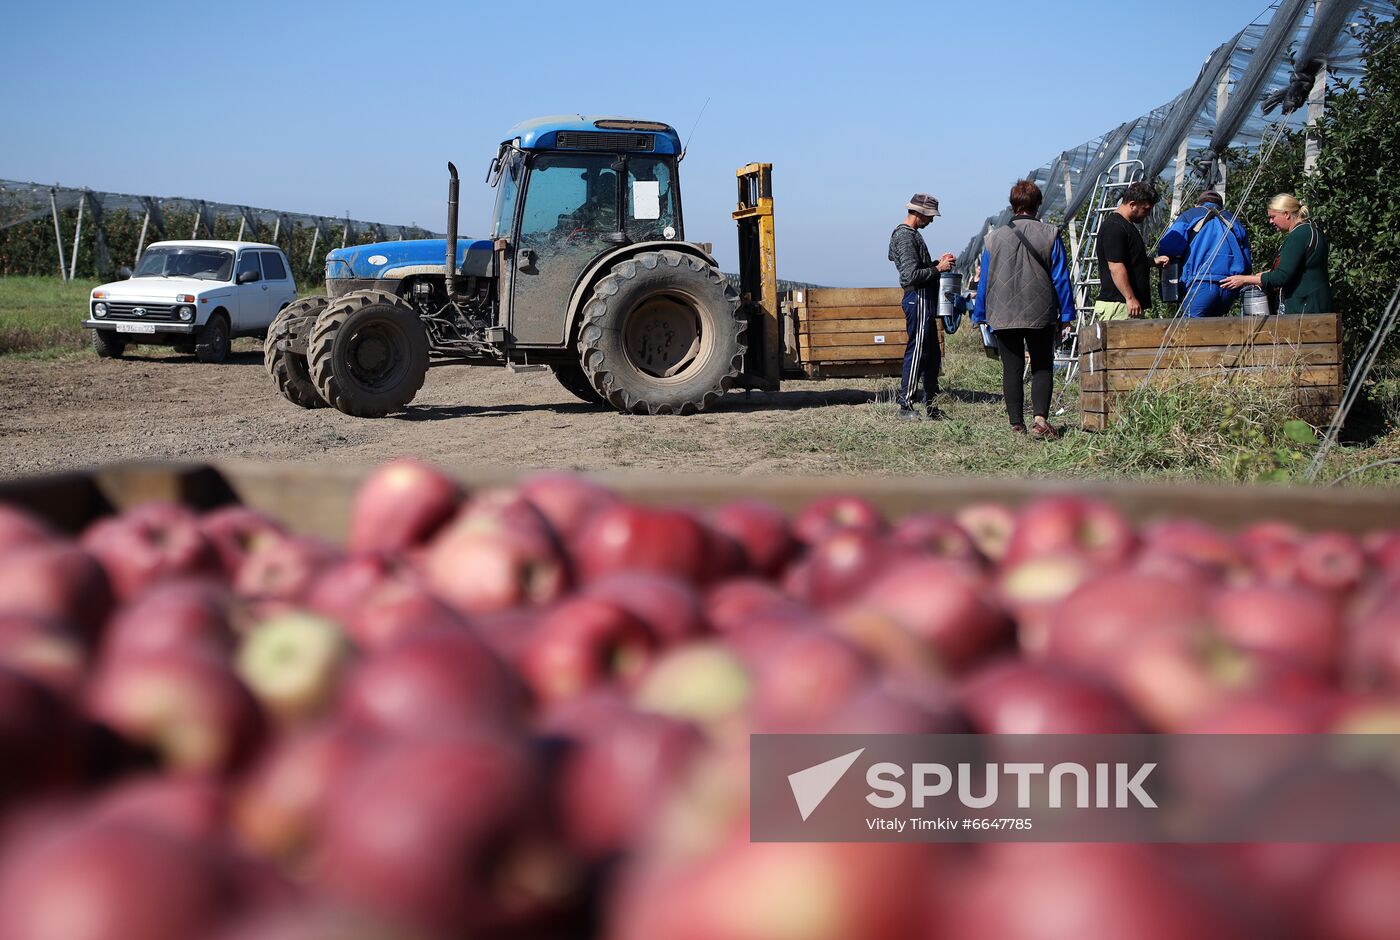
point(1084, 266)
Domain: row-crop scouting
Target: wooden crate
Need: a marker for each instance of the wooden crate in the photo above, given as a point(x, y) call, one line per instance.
point(1118, 356)
point(316, 500)
point(851, 331)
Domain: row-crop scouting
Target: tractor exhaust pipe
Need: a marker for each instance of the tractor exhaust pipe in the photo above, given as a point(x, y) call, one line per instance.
point(451, 278)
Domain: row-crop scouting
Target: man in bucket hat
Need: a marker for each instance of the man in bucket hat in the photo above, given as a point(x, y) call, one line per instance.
point(918, 275)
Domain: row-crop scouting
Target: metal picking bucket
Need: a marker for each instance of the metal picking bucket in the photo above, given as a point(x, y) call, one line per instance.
point(1254, 301)
point(949, 287)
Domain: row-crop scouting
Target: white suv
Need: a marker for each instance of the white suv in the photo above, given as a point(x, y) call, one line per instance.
point(194, 295)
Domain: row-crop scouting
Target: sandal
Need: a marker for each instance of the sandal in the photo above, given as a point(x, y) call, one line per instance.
point(1018, 429)
point(1044, 431)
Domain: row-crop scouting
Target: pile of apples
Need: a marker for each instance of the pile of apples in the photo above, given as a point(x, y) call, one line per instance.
point(525, 713)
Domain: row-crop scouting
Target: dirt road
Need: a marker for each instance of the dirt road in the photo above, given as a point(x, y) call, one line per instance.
point(154, 404)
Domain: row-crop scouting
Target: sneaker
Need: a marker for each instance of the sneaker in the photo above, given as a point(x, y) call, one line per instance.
point(1044, 431)
point(908, 414)
point(934, 413)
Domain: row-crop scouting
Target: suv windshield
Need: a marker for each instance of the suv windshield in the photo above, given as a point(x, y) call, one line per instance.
point(206, 264)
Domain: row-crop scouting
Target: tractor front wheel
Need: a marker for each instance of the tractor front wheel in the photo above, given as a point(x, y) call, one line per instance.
point(661, 334)
point(368, 353)
point(288, 369)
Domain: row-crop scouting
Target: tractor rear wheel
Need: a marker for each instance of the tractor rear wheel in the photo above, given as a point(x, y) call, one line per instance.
point(368, 353)
point(288, 369)
point(661, 334)
point(575, 381)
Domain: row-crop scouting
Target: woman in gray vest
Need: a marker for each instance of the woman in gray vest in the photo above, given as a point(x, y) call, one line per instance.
point(1024, 295)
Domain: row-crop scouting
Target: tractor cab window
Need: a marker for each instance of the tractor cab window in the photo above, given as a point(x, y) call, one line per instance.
point(570, 196)
point(507, 188)
point(651, 199)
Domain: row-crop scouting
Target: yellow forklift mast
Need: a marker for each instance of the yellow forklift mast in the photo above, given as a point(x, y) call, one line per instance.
point(758, 277)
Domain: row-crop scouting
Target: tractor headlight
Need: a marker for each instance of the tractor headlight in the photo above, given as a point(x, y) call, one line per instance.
point(186, 313)
point(99, 310)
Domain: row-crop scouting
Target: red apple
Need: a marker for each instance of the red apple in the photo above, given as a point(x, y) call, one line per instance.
point(418, 831)
point(839, 567)
point(1016, 697)
point(446, 679)
point(19, 528)
point(1331, 561)
point(1384, 551)
point(1204, 548)
point(189, 807)
point(583, 643)
point(149, 543)
point(824, 517)
point(761, 530)
point(671, 608)
point(1300, 623)
point(56, 580)
point(48, 651)
point(499, 553)
point(284, 569)
point(617, 774)
point(342, 587)
point(731, 605)
point(403, 503)
point(236, 532)
point(626, 537)
point(990, 526)
point(1093, 626)
point(37, 739)
point(802, 682)
point(189, 707)
point(1040, 892)
point(938, 535)
point(112, 882)
point(948, 608)
point(1066, 524)
point(277, 803)
point(1355, 898)
point(566, 501)
point(398, 608)
point(702, 682)
point(177, 614)
point(1372, 648)
point(1032, 589)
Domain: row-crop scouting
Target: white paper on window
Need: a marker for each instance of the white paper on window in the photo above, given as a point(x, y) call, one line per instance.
point(646, 199)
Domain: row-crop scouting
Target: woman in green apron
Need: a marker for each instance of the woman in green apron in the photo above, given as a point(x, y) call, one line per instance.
point(1300, 271)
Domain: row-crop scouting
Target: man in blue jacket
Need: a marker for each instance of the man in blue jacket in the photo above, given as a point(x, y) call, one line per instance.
point(1211, 245)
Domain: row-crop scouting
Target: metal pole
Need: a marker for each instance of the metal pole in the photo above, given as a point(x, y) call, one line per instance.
point(315, 237)
point(241, 221)
point(345, 232)
point(277, 228)
point(1179, 186)
point(141, 241)
point(198, 216)
point(1317, 106)
point(57, 233)
point(1222, 98)
point(1123, 153)
point(77, 233)
point(1073, 224)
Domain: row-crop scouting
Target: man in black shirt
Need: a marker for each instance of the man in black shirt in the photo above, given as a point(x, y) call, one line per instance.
point(1125, 283)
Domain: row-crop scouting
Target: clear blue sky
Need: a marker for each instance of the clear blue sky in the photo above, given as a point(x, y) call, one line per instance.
point(329, 108)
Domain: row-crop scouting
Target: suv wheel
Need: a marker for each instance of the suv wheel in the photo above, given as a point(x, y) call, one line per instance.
point(211, 343)
point(108, 344)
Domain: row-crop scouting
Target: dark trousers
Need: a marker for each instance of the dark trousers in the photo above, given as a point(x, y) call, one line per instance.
point(918, 380)
point(1013, 346)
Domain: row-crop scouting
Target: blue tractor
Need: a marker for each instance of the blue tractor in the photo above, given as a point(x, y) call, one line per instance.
point(587, 272)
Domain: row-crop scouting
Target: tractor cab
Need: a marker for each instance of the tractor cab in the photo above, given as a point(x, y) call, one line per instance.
point(568, 191)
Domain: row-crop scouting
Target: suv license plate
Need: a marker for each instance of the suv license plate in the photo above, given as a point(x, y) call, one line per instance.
point(136, 327)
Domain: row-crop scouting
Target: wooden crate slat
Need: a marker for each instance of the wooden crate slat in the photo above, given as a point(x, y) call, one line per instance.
point(867, 312)
point(1122, 380)
point(1282, 355)
point(1138, 334)
point(852, 297)
point(870, 369)
point(890, 340)
point(1093, 421)
point(847, 353)
point(852, 326)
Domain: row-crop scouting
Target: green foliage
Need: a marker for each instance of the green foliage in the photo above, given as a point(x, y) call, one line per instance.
point(1350, 194)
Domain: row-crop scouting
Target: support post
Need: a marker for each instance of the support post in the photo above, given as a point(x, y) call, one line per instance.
point(1073, 223)
point(315, 237)
point(141, 239)
point(1123, 153)
point(241, 222)
point(1222, 98)
point(1179, 186)
point(277, 228)
point(57, 233)
point(345, 232)
point(77, 234)
point(1317, 107)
